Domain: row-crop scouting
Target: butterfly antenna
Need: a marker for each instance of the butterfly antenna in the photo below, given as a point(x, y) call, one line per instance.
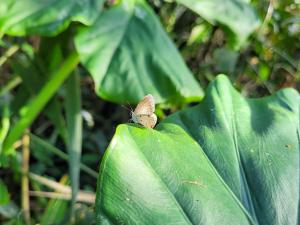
point(126, 108)
point(131, 110)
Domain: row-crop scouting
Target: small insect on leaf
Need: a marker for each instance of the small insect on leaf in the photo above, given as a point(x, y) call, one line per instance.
point(288, 146)
point(144, 112)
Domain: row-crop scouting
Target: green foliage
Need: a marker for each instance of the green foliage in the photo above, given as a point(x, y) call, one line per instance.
point(56, 209)
point(121, 50)
point(238, 17)
point(4, 122)
point(74, 127)
point(58, 57)
point(228, 160)
point(30, 111)
point(4, 197)
point(45, 17)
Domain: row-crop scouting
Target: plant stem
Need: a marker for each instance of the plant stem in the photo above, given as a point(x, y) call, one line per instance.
point(61, 190)
point(31, 110)
point(45, 145)
point(13, 49)
point(15, 81)
point(25, 181)
point(5, 123)
point(82, 196)
point(74, 127)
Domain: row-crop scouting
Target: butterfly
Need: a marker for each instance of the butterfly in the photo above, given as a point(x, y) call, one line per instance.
point(144, 112)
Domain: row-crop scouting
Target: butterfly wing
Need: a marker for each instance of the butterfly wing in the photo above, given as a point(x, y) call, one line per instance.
point(147, 120)
point(146, 106)
point(144, 112)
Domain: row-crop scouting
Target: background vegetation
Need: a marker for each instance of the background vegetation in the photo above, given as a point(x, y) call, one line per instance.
point(53, 106)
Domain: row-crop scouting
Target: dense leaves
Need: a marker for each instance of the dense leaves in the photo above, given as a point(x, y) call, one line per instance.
point(45, 17)
point(229, 160)
point(236, 15)
point(129, 55)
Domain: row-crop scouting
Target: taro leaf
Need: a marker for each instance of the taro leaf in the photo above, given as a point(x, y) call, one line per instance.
point(129, 55)
point(228, 160)
point(236, 16)
point(47, 17)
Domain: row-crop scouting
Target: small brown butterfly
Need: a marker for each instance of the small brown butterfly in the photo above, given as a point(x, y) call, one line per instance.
point(144, 112)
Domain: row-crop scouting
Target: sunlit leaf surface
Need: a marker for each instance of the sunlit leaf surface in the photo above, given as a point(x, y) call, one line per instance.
point(47, 17)
point(129, 55)
point(228, 160)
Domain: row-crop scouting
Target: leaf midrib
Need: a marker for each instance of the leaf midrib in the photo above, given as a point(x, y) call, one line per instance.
point(180, 207)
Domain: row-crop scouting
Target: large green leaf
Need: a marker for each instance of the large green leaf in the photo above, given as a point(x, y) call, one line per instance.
point(47, 17)
point(228, 160)
point(236, 16)
point(129, 55)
